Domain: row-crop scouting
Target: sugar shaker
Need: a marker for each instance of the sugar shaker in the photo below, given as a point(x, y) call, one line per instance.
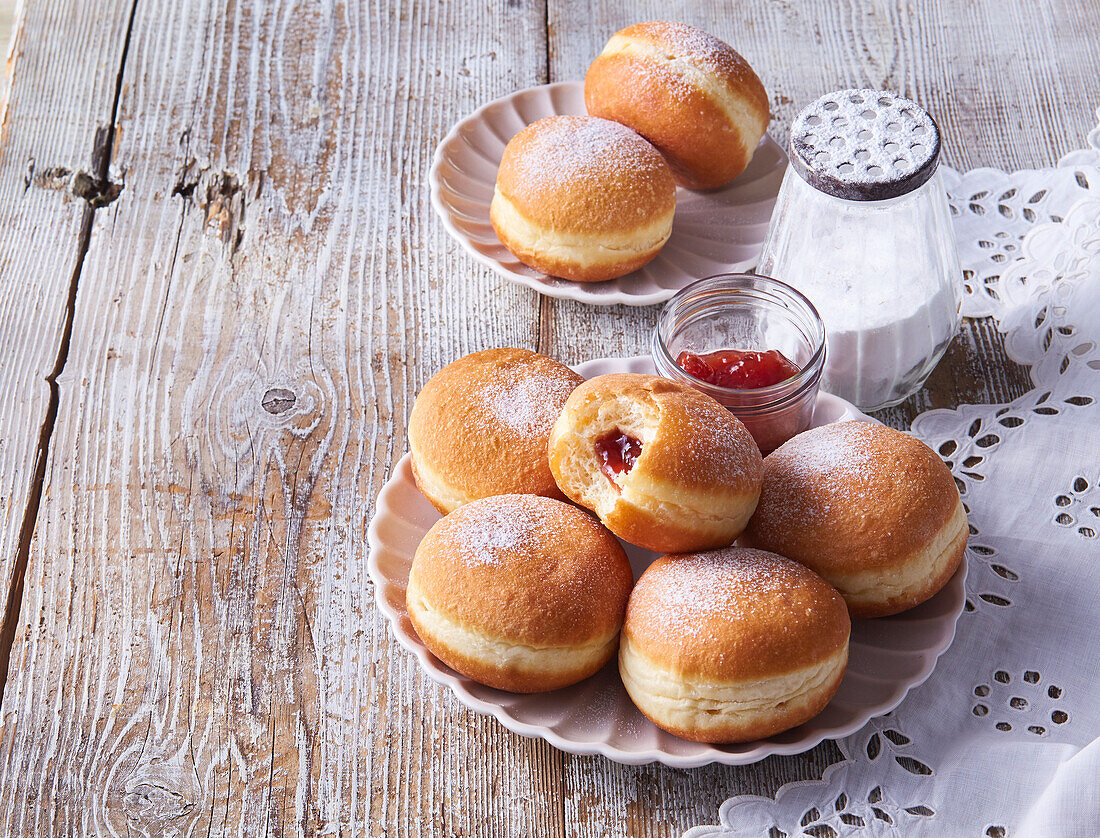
point(862, 228)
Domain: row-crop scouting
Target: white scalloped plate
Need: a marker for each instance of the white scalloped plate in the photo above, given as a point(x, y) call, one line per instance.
point(887, 657)
point(713, 232)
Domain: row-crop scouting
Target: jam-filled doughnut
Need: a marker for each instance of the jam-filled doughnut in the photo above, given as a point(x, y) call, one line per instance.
point(480, 426)
point(519, 592)
point(582, 198)
point(686, 92)
point(732, 645)
point(873, 510)
point(663, 465)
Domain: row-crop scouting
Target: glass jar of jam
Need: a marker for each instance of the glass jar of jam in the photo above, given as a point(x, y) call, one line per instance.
point(752, 343)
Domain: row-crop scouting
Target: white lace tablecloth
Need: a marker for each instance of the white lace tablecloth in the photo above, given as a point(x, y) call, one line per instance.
point(1004, 737)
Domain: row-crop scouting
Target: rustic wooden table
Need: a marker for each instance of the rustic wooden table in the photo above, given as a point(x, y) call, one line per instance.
point(222, 285)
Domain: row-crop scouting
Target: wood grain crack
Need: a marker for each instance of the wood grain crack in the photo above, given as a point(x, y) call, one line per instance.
point(102, 148)
point(97, 191)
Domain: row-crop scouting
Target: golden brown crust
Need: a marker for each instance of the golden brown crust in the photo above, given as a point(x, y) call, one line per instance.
point(696, 480)
point(873, 510)
point(791, 714)
point(585, 175)
point(571, 268)
point(890, 605)
point(687, 92)
point(526, 570)
point(734, 614)
point(442, 506)
point(668, 534)
point(732, 645)
point(698, 443)
point(703, 153)
point(480, 426)
point(582, 198)
point(494, 676)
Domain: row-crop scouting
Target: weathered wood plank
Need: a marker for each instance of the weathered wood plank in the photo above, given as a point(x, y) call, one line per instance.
point(54, 112)
point(198, 652)
point(1011, 86)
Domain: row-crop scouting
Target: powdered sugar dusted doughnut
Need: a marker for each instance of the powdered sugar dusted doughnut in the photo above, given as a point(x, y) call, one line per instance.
point(873, 510)
point(663, 465)
point(732, 645)
point(480, 426)
point(582, 198)
point(519, 592)
point(685, 91)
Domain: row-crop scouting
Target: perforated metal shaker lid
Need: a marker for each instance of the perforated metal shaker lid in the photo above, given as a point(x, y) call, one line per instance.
point(864, 145)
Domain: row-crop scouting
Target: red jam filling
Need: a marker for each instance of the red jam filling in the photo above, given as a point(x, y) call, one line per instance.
point(738, 369)
point(617, 452)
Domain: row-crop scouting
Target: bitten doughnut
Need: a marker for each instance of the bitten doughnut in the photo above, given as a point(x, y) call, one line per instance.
point(686, 92)
point(519, 592)
point(663, 465)
point(582, 198)
point(873, 510)
point(480, 426)
point(732, 645)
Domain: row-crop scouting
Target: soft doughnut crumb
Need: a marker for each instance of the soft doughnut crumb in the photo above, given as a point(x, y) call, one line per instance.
point(694, 483)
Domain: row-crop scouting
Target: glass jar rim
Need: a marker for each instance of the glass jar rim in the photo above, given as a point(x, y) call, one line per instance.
point(736, 285)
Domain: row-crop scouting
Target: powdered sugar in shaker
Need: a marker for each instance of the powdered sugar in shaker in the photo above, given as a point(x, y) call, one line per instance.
point(863, 229)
